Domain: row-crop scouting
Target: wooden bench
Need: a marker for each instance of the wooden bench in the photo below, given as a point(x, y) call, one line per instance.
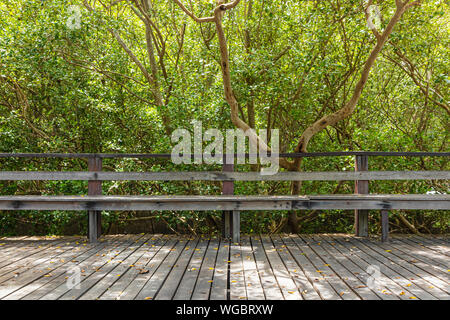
point(230, 204)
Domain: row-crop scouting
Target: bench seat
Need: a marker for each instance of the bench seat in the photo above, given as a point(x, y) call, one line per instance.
point(229, 203)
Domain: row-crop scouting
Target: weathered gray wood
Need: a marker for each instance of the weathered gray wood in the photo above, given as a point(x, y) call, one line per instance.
point(361, 187)
point(315, 266)
point(322, 286)
point(252, 280)
point(151, 247)
point(288, 287)
point(268, 281)
point(170, 285)
point(187, 283)
point(384, 225)
point(356, 268)
point(227, 189)
point(148, 269)
point(152, 286)
point(429, 272)
point(238, 287)
point(168, 155)
point(202, 290)
point(94, 189)
point(88, 267)
point(240, 203)
point(56, 271)
point(296, 271)
point(236, 226)
point(226, 177)
point(388, 285)
point(61, 277)
point(220, 277)
point(405, 277)
point(119, 267)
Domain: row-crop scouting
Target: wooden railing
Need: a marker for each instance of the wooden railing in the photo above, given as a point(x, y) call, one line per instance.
point(230, 204)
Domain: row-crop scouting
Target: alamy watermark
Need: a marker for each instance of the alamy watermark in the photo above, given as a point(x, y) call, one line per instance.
point(374, 280)
point(187, 151)
point(74, 279)
point(74, 20)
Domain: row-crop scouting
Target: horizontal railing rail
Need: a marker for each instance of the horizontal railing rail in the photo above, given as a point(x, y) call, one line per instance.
point(230, 204)
point(222, 176)
point(247, 155)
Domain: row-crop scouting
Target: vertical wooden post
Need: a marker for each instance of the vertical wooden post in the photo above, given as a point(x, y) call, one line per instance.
point(94, 189)
point(384, 225)
point(227, 189)
point(236, 226)
point(361, 187)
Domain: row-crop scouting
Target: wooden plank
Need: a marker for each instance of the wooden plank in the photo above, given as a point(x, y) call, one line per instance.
point(422, 282)
point(287, 286)
point(389, 282)
point(56, 272)
point(340, 271)
point(150, 248)
point(205, 280)
point(135, 287)
point(268, 281)
point(60, 277)
point(168, 155)
point(23, 254)
point(238, 289)
point(296, 272)
point(320, 285)
point(226, 177)
point(100, 268)
point(151, 288)
point(118, 268)
point(325, 269)
point(25, 263)
point(170, 285)
point(442, 248)
point(436, 262)
point(241, 203)
point(89, 267)
point(436, 255)
point(189, 278)
point(404, 277)
point(37, 268)
point(385, 287)
point(412, 257)
point(356, 268)
point(219, 288)
point(252, 280)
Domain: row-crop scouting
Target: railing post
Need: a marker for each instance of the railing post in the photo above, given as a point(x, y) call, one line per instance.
point(94, 189)
point(227, 189)
point(361, 187)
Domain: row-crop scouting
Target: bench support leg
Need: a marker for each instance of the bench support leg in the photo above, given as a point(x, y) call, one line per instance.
point(226, 224)
point(236, 227)
point(94, 222)
point(362, 223)
point(384, 226)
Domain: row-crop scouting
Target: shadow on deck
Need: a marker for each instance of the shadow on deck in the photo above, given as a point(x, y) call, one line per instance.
point(294, 267)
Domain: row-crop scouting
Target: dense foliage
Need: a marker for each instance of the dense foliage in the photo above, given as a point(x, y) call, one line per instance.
point(133, 71)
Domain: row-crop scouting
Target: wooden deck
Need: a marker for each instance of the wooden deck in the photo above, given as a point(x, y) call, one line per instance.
point(275, 267)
